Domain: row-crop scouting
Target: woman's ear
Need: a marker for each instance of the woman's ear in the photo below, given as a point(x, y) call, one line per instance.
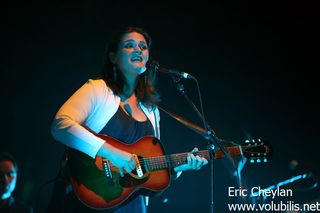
point(112, 57)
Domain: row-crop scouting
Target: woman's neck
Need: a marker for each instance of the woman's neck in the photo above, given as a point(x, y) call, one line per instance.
point(130, 85)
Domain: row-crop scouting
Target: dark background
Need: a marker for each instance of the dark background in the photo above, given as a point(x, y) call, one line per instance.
point(255, 63)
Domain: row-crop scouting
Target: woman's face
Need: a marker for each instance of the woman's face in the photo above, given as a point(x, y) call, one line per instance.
point(132, 54)
point(8, 178)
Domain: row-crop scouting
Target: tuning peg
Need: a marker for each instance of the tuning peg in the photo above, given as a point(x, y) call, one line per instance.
point(247, 141)
point(252, 161)
point(258, 161)
point(265, 160)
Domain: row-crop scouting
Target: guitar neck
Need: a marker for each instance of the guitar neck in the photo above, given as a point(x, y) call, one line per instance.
point(173, 160)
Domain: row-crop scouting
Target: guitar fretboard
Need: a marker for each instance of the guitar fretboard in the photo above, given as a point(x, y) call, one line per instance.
point(173, 160)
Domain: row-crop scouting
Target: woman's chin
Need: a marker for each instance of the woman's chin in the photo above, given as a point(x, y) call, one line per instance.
point(140, 70)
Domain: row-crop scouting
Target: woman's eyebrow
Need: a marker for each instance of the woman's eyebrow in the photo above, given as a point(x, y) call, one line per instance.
point(129, 40)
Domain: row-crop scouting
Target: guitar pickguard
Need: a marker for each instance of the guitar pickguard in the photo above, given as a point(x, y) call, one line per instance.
point(131, 180)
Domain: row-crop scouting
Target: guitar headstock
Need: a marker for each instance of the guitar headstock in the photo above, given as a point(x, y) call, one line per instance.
point(257, 150)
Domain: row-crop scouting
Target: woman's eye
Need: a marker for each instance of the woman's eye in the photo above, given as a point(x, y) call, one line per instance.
point(129, 45)
point(143, 47)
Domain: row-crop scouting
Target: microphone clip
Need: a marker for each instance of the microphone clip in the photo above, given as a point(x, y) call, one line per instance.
point(177, 75)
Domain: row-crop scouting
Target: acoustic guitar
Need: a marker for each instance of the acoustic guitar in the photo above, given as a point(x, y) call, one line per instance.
point(98, 184)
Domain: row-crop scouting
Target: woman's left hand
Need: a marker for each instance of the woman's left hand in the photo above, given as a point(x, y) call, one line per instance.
point(193, 162)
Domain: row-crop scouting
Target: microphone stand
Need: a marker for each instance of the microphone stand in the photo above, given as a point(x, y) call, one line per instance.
point(214, 141)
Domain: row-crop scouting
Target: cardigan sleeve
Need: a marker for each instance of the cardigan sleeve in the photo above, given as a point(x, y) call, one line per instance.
point(68, 124)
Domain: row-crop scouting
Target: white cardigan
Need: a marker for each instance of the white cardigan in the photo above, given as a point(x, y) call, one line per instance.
point(85, 114)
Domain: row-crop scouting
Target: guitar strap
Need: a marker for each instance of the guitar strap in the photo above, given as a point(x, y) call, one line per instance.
point(184, 121)
point(192, 126)
point(157, 133)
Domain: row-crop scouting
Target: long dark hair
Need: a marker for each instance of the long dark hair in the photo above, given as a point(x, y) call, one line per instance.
point(145, 89)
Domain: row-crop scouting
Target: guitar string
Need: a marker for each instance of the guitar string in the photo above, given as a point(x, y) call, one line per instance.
point(174, 159)
point(155, 162)
point(204, 152)
point(164, 162)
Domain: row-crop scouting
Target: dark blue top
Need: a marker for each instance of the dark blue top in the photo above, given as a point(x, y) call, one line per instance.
point(128, 130)
point(125, 128)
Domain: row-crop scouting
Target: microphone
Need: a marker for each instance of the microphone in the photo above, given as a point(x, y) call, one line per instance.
point(155, 66)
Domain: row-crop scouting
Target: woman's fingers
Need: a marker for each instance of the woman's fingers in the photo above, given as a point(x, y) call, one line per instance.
point(121, 172)
point(132, 163)
point(195, 150)
point(193, 161)
point(199, 162)
point(127, 166)
point(196, 161)
point(189, 160)
point(205, 161)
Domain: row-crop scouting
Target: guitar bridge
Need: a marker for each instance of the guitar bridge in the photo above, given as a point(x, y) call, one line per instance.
point(107, 170)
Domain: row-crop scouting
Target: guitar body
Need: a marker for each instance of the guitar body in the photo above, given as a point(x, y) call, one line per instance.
point(98, 184)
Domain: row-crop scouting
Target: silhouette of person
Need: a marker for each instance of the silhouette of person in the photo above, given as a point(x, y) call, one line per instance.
point(8, 180)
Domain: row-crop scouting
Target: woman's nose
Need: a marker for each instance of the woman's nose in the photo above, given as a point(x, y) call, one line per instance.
point(137, 48)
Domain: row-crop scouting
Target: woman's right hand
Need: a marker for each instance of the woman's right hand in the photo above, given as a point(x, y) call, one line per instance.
point(119, 158)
